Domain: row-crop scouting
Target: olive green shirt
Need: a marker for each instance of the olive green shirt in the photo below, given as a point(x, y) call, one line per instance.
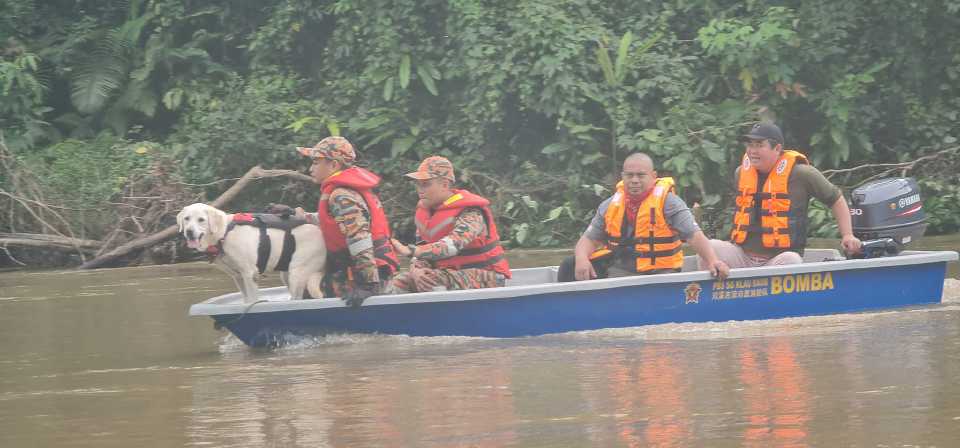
point(805, 182)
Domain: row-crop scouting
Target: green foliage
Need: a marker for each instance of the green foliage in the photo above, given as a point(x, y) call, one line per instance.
point(21, 97)
point(229, 128)
point(83, 173)
point(940, 204)
point(535, 102)
point(85, 177)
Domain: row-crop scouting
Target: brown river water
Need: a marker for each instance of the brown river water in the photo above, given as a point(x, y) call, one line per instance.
point(109, 358)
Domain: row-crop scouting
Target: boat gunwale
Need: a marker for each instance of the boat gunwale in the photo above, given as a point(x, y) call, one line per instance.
point(214, 307)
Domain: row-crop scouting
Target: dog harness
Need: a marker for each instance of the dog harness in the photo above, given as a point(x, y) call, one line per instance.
point(264, 221)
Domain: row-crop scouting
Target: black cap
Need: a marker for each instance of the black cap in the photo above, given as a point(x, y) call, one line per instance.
point(765, 131)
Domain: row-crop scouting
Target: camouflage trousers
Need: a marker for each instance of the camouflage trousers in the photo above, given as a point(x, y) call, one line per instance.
point(336, 284)
point(447, 279)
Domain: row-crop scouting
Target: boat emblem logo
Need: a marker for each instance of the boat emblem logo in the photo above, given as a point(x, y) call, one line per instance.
point(781, 166)
point(692, 292)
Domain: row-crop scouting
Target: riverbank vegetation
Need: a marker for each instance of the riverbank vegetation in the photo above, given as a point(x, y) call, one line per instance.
point(115, 113)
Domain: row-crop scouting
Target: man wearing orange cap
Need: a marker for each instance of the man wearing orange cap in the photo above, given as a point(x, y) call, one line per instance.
point(460, 247)
point(360, 258)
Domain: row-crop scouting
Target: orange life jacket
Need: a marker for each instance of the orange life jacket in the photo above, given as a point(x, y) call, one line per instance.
point(653, 243)
point(484, 252)
point(361, 181)
point(777, 228)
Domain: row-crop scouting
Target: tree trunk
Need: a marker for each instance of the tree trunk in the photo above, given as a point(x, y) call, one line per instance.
point(49, 242)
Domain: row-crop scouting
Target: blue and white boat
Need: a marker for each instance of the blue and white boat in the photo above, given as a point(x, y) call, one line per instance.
point(533, 303)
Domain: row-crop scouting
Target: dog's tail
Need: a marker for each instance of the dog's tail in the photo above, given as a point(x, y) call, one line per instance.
point(314, 283)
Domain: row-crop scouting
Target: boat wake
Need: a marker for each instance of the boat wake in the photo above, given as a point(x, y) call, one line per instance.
point(292, 342)
point(951, 291)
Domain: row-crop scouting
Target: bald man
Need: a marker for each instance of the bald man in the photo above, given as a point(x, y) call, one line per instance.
point(639, 230)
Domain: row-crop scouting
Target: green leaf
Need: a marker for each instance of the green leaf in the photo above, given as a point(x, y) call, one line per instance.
point(434, 73)
point(401, 146)
point(96, 81)
point(816, 138)
point(530, 202)
point(603, 60)
point(388, 89)
point(590, 158)
point(522, 231)
point(173, 98)
point(404, 72)
point(296, 126)
point(865, 142)
point(651, 135)
point(843, 145)
point(680, 161)
point(622, 55)
point(554, 148)
point(746, 78)
point(427, 80)
point(600, 190)
point(649, 43)
point(554, 214)
point(876, 67)
point(381, 137)
point(713, 151)
point(333, 127)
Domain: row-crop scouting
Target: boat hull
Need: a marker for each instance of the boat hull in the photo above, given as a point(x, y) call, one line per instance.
point(536, 309)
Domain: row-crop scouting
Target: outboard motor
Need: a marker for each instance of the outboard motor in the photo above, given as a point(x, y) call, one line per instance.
point(887, 215)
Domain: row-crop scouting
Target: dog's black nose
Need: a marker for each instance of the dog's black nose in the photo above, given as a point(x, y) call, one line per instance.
point(189, 233)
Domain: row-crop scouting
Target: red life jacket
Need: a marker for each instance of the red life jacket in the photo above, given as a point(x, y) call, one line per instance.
point(361, 181)
point(484, 252)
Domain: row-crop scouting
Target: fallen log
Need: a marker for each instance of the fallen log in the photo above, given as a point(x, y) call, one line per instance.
point(49, 242)
point(254, 173)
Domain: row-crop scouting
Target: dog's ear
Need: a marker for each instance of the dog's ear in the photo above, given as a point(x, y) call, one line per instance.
point(180, 220)
point(217, 224)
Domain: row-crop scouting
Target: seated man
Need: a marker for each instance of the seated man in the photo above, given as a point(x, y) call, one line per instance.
point(774, 187)
point(639, 230)
point(360, 258)
point(461, 246)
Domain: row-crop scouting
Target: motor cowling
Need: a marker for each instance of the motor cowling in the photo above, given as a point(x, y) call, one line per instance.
point(887, 215)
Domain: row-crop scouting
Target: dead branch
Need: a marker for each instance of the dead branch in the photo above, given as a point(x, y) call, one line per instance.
point(253, 174)
point(10, 256)
point(49, 241)
point(888, 168)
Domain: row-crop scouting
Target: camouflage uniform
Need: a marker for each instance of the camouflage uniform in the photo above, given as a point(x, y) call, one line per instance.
point(350, 211)
point(467, 227)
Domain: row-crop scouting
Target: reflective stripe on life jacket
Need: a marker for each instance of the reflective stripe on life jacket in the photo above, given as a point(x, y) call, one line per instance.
point(653, 243)
point(484, 252)
point(777, 227)
point(361, 181)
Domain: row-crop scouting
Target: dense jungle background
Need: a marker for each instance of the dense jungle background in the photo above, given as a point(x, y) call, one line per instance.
point(117, 113)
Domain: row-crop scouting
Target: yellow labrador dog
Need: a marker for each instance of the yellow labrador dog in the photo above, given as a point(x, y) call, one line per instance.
point(246, 251)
